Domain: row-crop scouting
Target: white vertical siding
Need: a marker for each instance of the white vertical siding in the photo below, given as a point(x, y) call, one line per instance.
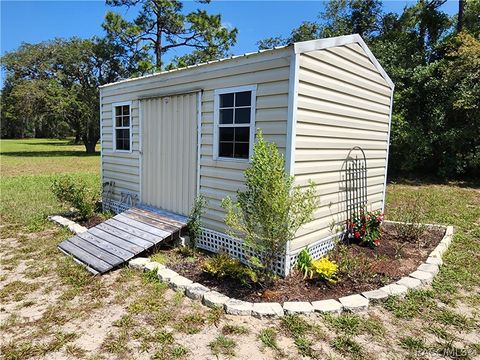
point(343, 101)
point(169, 132)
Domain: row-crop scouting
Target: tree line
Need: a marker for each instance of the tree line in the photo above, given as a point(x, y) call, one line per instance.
point(51, 88)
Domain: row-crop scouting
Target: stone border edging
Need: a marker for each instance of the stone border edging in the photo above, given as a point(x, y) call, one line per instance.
point(71, 225)
point(421, 277)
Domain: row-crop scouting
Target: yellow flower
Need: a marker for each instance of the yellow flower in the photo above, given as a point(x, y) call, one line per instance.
point(325, 269)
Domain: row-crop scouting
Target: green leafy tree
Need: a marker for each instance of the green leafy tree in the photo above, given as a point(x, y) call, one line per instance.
point(343, 17)
point(340, 17)
point(459, 71)
point(271, 209)
point(51, 88)
point(160, 26)
point(306, 31)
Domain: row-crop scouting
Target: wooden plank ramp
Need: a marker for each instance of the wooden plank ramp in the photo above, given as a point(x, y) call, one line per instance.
point(122, 237)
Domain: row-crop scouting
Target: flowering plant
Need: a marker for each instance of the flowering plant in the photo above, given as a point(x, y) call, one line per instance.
point(364, 227)
point(325, 269)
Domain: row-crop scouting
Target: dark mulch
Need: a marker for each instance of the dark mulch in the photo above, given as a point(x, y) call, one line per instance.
point(368, 269)
point(92, 221)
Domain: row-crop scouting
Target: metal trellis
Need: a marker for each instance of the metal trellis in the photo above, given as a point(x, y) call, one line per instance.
point(355, 182)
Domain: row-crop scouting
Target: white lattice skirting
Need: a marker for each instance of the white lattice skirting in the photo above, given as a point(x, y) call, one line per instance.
point(115, 206)
point(215, 241)
point(317, 249)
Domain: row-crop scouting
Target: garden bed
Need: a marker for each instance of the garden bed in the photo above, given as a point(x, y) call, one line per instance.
point(360, 269)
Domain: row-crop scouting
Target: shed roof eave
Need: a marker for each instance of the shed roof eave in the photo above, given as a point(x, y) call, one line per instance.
point(248, 55)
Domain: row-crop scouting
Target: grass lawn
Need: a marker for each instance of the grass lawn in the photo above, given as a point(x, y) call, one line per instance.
point(27, 170)
point(53, 309)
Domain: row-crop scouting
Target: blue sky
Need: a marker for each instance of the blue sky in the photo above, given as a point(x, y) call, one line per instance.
point(35, 21)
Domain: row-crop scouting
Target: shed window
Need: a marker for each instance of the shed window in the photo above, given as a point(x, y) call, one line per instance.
point(123, 130)
point(235, 118)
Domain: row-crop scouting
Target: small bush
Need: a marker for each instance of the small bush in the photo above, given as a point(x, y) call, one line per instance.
point(194, 224)
point(304, 263)
point(223, 265)
point(350, 265)
point(364, 227)
point(410, 215)
point(346, 345)
point(271, 209)
point(76, 194)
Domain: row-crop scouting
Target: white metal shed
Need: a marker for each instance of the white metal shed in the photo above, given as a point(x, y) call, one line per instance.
point(169, 136)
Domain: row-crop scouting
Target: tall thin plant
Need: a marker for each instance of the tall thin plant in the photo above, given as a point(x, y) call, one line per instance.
point(271, 209)
point(194, 224)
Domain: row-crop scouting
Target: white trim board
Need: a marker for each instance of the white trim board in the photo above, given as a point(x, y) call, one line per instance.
point(140, 151)
point(292, 113)
point(101, 142)
point(199, 137)
point(388, 151)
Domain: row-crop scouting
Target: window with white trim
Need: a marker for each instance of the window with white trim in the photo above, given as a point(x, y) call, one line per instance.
point(123, 131)
point(234, 122)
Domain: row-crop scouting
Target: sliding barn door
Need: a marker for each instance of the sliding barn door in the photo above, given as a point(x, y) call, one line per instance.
point(169, 152)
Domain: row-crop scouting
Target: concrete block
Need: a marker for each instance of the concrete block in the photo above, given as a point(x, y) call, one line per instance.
point(196, 291)
point(267, 310)
point(297, 307)
point(214, 299)
point(165, 274)
point(180, 283)
point(138, 263)
point(395, 289)
point(238, 307)
point(425, 277)
point(410, 282)
point(431, 268)
point(327, 306)
point(375, 296)
point(434, 261)
point(354, 303)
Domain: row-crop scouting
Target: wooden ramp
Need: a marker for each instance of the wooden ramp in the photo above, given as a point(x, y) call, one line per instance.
point(122, 237)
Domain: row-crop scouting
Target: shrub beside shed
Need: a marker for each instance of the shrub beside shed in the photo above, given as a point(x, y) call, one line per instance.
point(169, 136)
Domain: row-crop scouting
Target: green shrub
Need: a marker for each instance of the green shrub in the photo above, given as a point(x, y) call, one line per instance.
point(223, 265)
point(304, 263)
point(194, 224)
point(76, 194)
point(410, 215)
point(271, 209)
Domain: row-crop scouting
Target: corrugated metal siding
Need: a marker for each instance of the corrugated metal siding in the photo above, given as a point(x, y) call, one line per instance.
point(343, 101)
point(169, 140)
point(270, 71)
